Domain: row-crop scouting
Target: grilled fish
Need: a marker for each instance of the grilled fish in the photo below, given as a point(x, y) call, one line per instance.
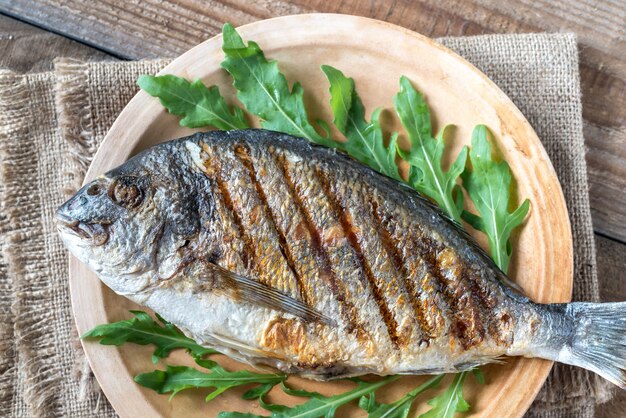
point(278, 252)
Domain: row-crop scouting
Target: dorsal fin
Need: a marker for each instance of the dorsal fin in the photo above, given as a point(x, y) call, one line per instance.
point(252, 291)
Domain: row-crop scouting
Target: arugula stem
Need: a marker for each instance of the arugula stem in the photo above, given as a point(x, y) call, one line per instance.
point(367, 144)
point(458, 380)
point(345, 398)
point(276, 105)
point(450, 208)
point(206, 109)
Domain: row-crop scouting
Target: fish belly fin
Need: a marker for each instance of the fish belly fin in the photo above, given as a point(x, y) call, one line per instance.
point(591, 336)
point(470, 365)
point(511, 284)
point(455, 368)
point(251, 291)
point(238, 349)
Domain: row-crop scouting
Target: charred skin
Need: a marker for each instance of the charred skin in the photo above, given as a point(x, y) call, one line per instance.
point(407, 291)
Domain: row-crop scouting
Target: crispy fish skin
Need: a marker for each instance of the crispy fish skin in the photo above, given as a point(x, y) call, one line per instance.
point(279, 252)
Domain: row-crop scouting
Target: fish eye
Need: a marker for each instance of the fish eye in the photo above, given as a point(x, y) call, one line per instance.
point(94, 190)
point(126, 192)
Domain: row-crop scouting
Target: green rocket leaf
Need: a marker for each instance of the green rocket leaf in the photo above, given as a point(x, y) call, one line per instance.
point(426, 172)
point(450, 401)
point(200, 106)
point(177, 378)
point(264, 90)
point(399, 408)
point(322, 406)
point(488, 184)
point(144, 330)
point(364, 139)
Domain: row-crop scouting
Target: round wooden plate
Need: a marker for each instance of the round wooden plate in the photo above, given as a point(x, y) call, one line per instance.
point(375, 54)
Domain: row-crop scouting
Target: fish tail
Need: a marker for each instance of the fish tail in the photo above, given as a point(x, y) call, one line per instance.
point(588, 335)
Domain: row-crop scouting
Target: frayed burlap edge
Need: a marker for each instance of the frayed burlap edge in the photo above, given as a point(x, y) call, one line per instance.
point(75, 122)
point(8, 358)
point(22, 207)
point(7, 343)
point(75, 127)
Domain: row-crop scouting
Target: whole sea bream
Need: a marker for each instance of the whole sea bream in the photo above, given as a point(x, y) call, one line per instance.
point(278, 252)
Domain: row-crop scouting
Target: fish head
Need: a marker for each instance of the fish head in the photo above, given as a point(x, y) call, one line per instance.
point(134, 225)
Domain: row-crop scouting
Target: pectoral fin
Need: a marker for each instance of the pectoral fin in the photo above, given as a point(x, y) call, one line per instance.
point(251, 291)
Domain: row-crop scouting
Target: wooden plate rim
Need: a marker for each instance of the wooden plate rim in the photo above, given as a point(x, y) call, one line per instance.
point(83, 292)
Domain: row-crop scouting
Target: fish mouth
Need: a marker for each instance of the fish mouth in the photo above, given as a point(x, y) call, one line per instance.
point(94, 233)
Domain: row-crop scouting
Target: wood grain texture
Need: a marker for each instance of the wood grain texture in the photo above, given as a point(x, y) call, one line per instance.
point(606, 165)
point(611, 259)
point(157, 28)
point(25, 48)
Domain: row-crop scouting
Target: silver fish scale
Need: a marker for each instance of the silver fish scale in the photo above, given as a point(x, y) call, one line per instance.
point(278, 252)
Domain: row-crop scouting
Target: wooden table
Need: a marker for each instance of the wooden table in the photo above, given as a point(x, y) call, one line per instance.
point(135, 29)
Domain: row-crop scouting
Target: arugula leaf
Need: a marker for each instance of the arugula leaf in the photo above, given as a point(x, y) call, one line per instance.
point(426, 173)
point(322, 406)
point(280, 410)
point(238, 415)
point(259, 391)
point(364, 140)
point(399, 408)
point(198, 105)
point(488, 184)
point(450, 401)
point(264, 90)
point(143, 330)
point(177, 378)
point(479, 376)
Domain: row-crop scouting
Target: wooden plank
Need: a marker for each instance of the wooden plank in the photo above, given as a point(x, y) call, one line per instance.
point(611, 260)
point(143, 29)
point(606, 164)
point(152, 28)
point(25, 48)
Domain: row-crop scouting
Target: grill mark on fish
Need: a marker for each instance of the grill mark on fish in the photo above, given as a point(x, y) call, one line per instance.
point(481, 288)
point(434, 305)
point(427, 251)
point(247, 254)
point(495, 325)
point(243, 154)
point(156, 243)
point(465, 305)
point(364, 266)
point(467, 325)
point(347, 309)
point(270, 266)
point(392, 248)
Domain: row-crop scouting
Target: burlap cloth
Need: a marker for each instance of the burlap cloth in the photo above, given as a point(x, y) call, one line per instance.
point(51, 124)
